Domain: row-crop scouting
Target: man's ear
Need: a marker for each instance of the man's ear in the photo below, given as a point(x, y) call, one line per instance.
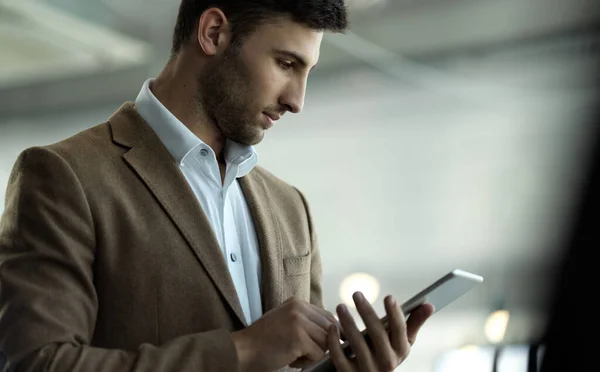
point(214, 34)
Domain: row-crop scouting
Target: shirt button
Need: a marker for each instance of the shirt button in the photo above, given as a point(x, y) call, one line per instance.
point(233, 257)
point(204, 152)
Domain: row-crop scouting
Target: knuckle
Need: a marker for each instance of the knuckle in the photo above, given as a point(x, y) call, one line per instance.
point(296, 349)
point(404, 354)
point(296, 301)
point(318, 354)
point(296, 317)
point(290, 302)
point(388, 365)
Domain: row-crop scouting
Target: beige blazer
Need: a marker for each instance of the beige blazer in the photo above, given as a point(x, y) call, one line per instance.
point(108, 263)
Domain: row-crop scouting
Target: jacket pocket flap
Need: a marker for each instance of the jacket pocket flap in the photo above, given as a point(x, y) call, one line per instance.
point(295, 266)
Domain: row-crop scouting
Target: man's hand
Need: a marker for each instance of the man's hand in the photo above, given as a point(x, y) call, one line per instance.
point(293, 334)
point(389, 348)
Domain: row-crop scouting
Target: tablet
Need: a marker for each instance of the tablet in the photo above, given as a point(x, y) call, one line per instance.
point(440, 294)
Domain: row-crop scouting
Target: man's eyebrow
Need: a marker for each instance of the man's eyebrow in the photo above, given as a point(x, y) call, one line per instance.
point(295, 56)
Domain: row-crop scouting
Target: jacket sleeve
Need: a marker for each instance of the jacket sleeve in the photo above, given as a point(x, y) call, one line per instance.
point(48, 303)
point(316, 269)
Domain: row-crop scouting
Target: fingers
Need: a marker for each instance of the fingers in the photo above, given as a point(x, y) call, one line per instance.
point(325, 319)
point(317, 333)
point(382, 349)
point(303, 363)
point(339, 359)
point(316, 320)
point(312, 343)
point(356, 340)
point(385, 355)
point(314, 349)
point(416, 320)
point(396, 328)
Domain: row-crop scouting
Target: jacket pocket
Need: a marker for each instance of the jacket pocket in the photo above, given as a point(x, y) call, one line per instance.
point(297, 266)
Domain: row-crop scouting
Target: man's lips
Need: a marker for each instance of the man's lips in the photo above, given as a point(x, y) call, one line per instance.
point(270, 119)
point(273, 117)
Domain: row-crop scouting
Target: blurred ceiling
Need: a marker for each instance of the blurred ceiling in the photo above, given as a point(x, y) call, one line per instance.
point(47, 54)
point(52, 48)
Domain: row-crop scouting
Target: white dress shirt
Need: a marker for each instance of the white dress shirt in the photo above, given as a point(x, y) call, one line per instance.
point(223, 202)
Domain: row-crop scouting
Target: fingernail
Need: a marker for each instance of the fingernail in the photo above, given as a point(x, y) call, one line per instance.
point(358, 297)
point(344, 309)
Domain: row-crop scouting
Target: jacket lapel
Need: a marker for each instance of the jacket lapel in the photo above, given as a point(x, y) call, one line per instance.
point(156, 168)
point(259, 203)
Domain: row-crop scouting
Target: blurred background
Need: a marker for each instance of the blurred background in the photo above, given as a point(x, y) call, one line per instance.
point(437, 134)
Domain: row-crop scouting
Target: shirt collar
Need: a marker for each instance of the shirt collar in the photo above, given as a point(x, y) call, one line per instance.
point(245, 157)
point(179, 140)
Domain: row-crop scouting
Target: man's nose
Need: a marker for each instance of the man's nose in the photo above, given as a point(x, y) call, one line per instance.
point(293, 98)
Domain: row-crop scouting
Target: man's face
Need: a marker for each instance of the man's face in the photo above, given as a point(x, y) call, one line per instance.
point(246, 89)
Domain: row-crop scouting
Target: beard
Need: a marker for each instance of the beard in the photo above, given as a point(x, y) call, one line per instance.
point(225, 94)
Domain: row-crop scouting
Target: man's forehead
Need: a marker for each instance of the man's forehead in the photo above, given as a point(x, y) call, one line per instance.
point(290, 36)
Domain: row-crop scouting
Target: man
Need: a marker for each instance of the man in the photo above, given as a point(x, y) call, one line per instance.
point(153, 242)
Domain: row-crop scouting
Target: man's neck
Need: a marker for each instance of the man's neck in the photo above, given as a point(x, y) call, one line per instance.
point(175, 87)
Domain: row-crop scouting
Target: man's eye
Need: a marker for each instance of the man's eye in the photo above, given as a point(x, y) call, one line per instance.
point(286, 65)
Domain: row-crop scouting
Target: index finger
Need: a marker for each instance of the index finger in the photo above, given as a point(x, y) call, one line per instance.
point(416, 320)
point(396, 325)
point(324, 319)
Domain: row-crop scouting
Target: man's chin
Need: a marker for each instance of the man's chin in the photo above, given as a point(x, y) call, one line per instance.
point(255, 141)
point(249, 140)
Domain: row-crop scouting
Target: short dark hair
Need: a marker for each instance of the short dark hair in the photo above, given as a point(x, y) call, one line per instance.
point(246, 15)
